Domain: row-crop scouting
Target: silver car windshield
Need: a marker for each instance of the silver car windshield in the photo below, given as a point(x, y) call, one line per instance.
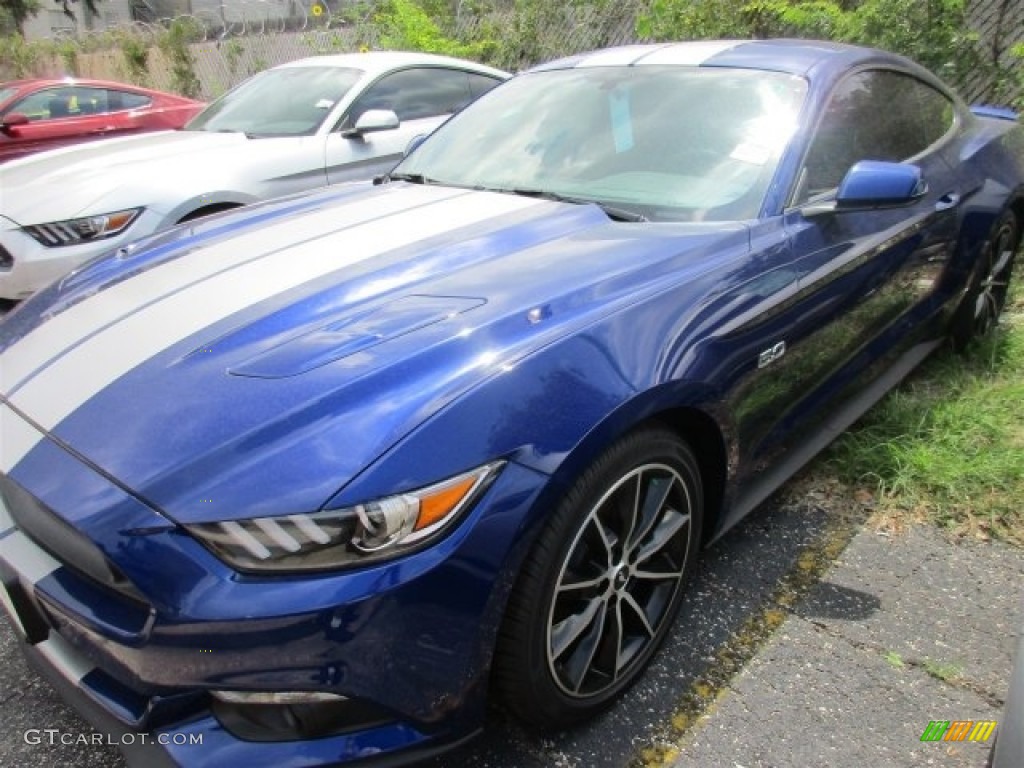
point(292, 101)
point(664, 143)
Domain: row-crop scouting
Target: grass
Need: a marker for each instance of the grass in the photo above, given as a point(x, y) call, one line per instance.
point(941, 671)
point(894, 659)
point(947, 446)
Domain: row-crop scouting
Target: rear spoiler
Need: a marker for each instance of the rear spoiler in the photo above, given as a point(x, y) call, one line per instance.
point(1000, 113)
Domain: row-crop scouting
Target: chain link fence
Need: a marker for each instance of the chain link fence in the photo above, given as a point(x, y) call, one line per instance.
point(999, 25)
point(236, 38)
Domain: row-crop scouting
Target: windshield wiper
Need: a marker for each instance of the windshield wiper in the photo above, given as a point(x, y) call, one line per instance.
point(247, 134)
point(412, 178)
point(613, 211)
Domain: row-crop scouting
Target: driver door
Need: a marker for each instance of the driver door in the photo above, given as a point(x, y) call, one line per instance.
point(866, 279)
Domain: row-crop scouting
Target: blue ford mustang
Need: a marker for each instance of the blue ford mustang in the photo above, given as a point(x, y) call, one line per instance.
point(307, 482)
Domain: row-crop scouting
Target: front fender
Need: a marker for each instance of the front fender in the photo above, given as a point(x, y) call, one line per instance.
point(218, 198)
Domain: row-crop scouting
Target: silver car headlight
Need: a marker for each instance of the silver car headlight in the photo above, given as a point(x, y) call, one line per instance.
point(74, 231)
point(350, 536)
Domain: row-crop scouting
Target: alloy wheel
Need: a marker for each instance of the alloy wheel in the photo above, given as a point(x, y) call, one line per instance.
point(991, 296)
point(619, 580)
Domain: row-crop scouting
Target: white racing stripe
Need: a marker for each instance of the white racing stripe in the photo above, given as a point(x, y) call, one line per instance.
point(28, 559)
point(16, 438)
point(617, 57)
point(679, 54)
point(688, 54)
point(64, 658)
point(67, 382)
point(62, 332)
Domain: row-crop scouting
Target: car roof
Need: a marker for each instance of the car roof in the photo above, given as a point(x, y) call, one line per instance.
point(797, 57)
point(376, 62)
point(45, 82)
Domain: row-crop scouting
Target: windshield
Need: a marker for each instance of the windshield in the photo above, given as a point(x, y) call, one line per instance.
point(293, 101)
point(6, 93)
point(668, 143)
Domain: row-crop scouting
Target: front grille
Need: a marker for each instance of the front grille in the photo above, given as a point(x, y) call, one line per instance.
point(6, 260)
point(59, 233)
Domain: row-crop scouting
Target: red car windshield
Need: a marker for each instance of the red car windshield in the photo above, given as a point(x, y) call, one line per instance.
point(6, 92)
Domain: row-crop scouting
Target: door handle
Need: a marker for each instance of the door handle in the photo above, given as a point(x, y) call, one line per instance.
point(948, 201)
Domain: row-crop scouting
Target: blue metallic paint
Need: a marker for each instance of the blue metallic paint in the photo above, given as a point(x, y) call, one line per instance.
point(637, 323)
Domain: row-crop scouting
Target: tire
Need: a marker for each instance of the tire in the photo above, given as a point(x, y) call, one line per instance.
point(986, 296)
point(598, 593)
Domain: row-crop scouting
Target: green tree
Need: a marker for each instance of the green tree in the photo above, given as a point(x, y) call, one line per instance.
point(405, 25)
point(13, 14)
point(935, 33)
point(175, 44)
point(65, 5)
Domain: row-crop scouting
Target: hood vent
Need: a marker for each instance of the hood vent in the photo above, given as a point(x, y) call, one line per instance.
point(355, 333)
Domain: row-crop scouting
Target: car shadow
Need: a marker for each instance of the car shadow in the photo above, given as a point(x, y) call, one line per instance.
point(739, 577)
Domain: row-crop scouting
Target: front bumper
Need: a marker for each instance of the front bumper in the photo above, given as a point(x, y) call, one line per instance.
point(26, 265)
point(407, 643)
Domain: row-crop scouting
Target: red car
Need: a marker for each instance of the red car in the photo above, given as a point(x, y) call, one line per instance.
point(45, 113)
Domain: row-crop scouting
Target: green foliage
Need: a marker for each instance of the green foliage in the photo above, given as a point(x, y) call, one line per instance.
point(948, 445)
point(933, 32)
point(944, 671)
point(694, 19)
point(17, 57)
point(514, 34)
point(13, 14)
point(67, 50)
point(233, 51)
point(135, 52)
point(894, 659)
point(404, 25)
point(1009, 78)
point(175, 45)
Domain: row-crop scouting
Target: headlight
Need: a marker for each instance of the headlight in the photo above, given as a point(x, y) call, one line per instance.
point(334, 538)
point(74, 231)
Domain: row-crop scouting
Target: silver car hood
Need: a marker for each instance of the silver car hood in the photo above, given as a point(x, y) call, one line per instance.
point(105, 176)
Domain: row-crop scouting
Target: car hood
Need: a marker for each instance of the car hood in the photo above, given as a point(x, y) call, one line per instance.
point(255, 363)
point(74, 181)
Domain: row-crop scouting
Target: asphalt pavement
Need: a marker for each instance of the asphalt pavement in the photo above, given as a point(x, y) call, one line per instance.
point(807, 639)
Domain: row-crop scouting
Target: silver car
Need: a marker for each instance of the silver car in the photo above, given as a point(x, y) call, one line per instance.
point(317, 121)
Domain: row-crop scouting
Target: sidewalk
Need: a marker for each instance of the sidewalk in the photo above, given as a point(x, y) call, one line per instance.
point(901, 630)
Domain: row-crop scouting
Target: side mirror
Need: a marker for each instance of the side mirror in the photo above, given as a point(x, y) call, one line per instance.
point(12, 120)
point(373, 121)
point(875, 184)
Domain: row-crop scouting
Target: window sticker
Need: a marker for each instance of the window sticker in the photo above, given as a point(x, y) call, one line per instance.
point(622, 122)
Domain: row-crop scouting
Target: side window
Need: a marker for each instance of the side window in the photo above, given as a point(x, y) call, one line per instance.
point(935, 113)
point(480, 84)
point(124, 100)
point(873, 115)
point(416, 93)
point(48, 104)
point(72, 101)
point(88, 101)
